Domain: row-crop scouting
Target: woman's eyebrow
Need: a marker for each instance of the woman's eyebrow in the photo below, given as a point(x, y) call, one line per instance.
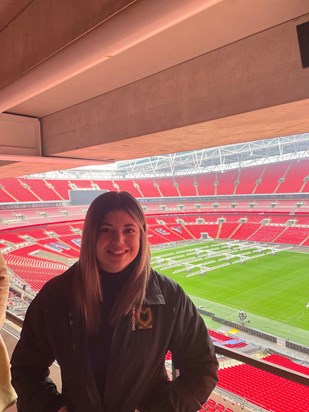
point(126, 224)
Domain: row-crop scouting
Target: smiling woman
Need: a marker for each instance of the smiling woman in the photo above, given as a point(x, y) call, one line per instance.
point(109, 322)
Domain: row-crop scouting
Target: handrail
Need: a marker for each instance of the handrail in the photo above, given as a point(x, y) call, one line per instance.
point(14, 318)
point(233, 354)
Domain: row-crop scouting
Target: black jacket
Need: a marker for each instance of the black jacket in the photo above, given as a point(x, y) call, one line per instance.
point(136, 377)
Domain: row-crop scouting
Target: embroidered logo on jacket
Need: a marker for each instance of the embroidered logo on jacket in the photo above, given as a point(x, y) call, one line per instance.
point(142, 320)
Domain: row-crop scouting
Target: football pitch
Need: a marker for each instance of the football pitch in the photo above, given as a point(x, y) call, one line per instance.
point(269, 282)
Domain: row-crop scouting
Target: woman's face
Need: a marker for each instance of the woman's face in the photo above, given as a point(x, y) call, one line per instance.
point(118, 241)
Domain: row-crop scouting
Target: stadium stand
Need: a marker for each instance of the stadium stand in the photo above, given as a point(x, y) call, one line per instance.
point(18, 190)
point(294, 178)
point(247, 180)
point(282, 177)
point(305, 187)
point(61, 187)
point(128, 186)
point(253, 384)
point(244, 231)
point(103, 185)
point(41, 242)
point(287, 363)
point(167, 187)
point(294, 235)
point(227, 229)
point(266, 234)
point(5, 196)
point(187, 185)
point(42, 189)
point(206, 184)
point(268, 182)
point(269, 226)
point(227, 182)
point(147, 188)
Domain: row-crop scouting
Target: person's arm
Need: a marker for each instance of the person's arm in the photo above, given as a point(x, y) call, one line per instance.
point(31, 360)
point(194, 357)
point(4, 289)
point(7, 393)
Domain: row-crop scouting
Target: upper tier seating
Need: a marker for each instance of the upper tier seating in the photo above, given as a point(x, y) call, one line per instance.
point(166, 187)
point(128, 186)
point(18, 190)
point(247, 180)
point(206, 186)
point(103, 185)
point(186, 185)
point(283, 177)
point(61, 187)
point(269, 180)
point(5, 196)
point(147, 188)
point(226, 182)
point(43, 190)
point(294, 178)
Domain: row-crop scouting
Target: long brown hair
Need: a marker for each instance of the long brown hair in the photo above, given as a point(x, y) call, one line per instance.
point(88, 293)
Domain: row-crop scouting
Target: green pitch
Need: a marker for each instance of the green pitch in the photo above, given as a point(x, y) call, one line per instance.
point(272, 287)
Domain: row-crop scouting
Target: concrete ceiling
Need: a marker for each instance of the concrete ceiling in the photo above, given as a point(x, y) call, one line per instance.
point(100, 81)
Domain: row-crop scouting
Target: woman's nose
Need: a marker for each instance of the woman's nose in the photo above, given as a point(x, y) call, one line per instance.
point(117, 237)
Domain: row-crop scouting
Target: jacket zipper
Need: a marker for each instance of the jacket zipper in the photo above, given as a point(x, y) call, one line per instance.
point(90, 394)
point(108, 385)
point(109, 369)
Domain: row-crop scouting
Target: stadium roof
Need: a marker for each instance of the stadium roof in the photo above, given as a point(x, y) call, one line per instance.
point(198, 161)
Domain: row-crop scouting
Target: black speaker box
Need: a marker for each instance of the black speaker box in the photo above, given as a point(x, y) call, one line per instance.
point(303, 41)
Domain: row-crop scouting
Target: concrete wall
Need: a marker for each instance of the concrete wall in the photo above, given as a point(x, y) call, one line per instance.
point(251, 89)
point(44, 27)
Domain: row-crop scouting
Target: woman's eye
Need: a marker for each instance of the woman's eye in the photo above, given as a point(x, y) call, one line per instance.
point(104, 230)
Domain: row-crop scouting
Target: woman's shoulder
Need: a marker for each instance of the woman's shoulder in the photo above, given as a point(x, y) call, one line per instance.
point(59, 284)
point(164, 283)
point(163, 290)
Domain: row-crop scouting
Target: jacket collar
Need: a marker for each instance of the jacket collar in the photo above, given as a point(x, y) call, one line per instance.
point(154, 294)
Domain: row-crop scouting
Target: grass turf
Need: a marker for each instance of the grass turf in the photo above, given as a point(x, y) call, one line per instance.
point(273, 289)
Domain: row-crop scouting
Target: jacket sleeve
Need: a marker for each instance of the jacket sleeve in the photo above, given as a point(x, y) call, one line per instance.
point(194, 357)
point(31, 360)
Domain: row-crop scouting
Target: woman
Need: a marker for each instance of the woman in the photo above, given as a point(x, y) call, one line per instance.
point(7, 393)
point(109, 321)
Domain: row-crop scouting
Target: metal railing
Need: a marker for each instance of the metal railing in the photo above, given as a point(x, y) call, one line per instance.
point(233, 354)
